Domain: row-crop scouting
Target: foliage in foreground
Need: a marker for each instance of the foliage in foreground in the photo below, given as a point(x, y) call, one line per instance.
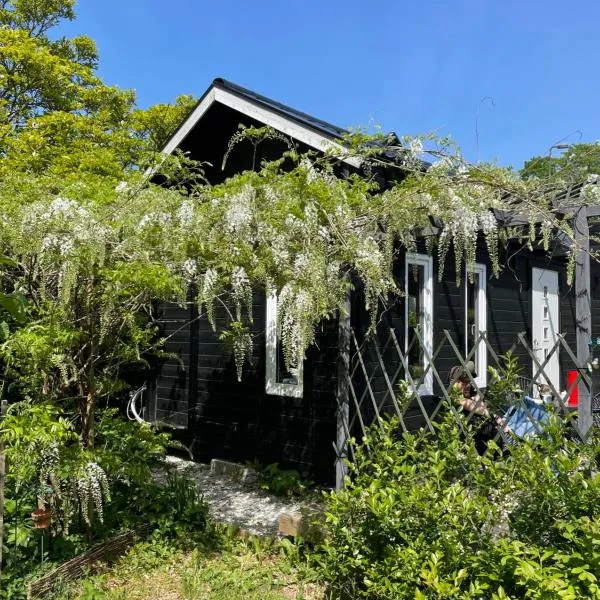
point(279, 481)
point(50, 466)
point(425, 516)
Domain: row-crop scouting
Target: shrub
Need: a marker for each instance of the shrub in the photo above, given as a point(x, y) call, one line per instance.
point(128, 449)
point(176, 510)
point(424, 516)
point(282, 482)
point(48, 464)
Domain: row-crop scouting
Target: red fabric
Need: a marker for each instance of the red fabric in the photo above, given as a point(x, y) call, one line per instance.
point(573, 399)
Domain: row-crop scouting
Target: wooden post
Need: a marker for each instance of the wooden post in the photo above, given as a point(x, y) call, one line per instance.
point(583, 314)
point(343, 401)
point(192, 388)
point(3, 406)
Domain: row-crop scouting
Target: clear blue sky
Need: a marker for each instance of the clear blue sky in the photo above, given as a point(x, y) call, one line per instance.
point(411, 67)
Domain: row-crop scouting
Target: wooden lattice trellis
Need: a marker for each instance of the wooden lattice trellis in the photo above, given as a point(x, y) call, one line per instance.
point(386, 361)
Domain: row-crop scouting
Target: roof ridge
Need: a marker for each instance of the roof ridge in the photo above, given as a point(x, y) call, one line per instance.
point(329, 129)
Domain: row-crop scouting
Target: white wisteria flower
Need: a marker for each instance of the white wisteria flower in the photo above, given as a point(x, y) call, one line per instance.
point(185, 214)
point(239, 211)
point(157, 219)
point(190, 268)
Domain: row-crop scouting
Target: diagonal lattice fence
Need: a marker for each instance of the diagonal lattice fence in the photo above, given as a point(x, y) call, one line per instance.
point(377, 366)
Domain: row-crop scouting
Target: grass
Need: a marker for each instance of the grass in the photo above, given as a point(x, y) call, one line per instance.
point(249, 569)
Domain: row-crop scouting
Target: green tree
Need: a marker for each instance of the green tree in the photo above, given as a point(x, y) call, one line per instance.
point(66, 141)
point(57, 111)
point(574, 165)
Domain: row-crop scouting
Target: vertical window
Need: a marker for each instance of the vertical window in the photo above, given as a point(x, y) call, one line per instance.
point(476, 320)
point(279, 380)
point(419, 319)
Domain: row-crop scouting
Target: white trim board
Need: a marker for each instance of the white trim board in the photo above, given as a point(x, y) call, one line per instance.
point(272, 386)
point(260, 113)
point(426, 261)
point(480, 356)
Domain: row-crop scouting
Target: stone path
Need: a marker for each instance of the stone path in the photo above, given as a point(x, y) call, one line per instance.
point(238, 503)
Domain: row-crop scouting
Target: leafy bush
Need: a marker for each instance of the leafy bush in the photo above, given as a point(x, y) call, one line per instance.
point(282, 482)
point(47, 464)
point(424, 516)
point(127, 449)
point(503, 387)
point(174, 510)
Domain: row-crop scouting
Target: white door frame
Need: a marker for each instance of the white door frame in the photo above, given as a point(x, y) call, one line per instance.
point(545, 322)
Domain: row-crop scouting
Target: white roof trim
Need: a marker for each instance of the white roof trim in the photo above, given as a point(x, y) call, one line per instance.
point(189, 123)
point(260, 113)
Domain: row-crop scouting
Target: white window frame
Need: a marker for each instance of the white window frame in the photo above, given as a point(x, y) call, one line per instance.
point(481, 354)
point(426, 261)
point(272, 386)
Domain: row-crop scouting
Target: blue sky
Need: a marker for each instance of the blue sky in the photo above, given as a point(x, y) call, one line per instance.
point(527, 71)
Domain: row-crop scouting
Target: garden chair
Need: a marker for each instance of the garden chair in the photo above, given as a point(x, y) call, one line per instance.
point(526, 418)
point(525, 384)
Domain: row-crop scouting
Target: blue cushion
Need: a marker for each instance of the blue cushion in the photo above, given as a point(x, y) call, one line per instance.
point(527, 418)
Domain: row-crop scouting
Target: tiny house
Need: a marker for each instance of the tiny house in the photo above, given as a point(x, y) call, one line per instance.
point(294, 419)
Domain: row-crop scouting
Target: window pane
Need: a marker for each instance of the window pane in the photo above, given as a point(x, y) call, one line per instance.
point(472, 320)
point(282, 375)
point(416, 320)
point(279, 380)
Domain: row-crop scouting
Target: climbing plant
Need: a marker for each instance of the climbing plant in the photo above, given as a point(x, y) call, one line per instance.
point(93, 258)
point(95, 242)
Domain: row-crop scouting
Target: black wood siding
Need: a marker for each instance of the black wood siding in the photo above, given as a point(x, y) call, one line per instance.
point(238, 420)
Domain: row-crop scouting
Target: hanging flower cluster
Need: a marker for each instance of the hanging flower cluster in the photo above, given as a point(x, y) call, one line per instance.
point(294, 324)
point(242, 351)
point(57, 232)
point(92, 491)
point(49, 460)
point(241, 292)
point(239, 211)
point(591, 190)
point(207, 294)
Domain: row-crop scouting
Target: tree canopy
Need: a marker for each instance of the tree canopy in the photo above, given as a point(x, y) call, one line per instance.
point(57, 112)
point(574, 165)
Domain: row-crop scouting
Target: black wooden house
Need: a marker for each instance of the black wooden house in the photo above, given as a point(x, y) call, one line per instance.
point(295, 421)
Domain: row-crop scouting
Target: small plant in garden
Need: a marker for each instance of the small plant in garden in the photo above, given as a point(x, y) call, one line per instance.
point(282, 482)
point(503, 388)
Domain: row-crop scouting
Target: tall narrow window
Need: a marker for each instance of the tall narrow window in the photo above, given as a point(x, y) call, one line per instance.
point(419, 319)
point(279, 380)
point(476, 321)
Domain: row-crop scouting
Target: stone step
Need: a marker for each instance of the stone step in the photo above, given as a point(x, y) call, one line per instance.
point(305, 523)
point(234, 471)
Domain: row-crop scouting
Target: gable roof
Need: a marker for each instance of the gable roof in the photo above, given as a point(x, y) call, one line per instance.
point(300, 126)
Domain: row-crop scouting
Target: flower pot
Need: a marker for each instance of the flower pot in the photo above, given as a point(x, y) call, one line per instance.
point(42, 518)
